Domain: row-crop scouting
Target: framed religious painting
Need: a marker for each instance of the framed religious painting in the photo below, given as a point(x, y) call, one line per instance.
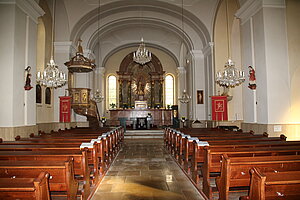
point(200, 97)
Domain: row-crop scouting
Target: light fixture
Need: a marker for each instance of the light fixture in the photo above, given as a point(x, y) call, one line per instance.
point(185, 98)
point(142, 55)
point(52, 77)
point(231, 76)
point(98, 97)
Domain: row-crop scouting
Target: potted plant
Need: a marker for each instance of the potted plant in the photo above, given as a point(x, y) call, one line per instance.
point(112, 105)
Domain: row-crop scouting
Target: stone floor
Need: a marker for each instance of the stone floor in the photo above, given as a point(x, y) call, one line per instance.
point(143, 170)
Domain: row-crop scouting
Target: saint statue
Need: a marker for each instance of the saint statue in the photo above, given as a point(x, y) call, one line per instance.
point(28, 79)
point(140, 88)
point(252, 79)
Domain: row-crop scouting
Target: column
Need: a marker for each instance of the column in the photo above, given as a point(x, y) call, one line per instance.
point(197, 82)
point(61, 55)
point(99, 84)
point(181, 77)
point(265, 48)
point(209, 78)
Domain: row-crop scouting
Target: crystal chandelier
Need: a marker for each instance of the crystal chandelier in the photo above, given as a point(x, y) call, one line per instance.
point(231, 76)
point(185, 98)
point(98, 97)
point(52, 77)
point(142, 55)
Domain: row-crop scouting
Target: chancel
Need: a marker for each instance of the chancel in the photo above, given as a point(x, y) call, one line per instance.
point(149, 99)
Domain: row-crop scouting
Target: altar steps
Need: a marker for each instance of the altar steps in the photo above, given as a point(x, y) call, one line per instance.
point(144, 134)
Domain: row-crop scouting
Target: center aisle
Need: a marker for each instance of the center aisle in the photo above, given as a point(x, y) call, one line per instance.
point(143, 170)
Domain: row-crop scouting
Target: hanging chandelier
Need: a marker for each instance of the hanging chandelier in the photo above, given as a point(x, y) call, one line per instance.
point(142, 55)
point(51, 77)
point(231, 76)
point(98, 97)
point(185, 98)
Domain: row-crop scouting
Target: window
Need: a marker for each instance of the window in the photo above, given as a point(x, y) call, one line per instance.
point(169, 90)
point(38, 94)
point(48, 96)
point(112, 91)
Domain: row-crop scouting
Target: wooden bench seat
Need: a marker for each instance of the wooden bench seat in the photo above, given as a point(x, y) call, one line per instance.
point(25, 188)
point(213, 156)
point(272, 185)
point(80, 161)
point(235, 171)
point(61, 174)
point(91, 152)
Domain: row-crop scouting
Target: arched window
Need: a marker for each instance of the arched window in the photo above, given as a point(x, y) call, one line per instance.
point(38, 97)
point(169, 90)
point(48, 96)
point(112, 91)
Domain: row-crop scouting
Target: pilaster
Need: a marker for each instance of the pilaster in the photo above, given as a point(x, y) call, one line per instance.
point(265, 48)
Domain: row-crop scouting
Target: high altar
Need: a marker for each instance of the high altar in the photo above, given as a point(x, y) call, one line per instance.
point(141, 93)
point(160, 117)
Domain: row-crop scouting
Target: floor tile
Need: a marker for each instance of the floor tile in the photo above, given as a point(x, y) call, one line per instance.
point(143, 170)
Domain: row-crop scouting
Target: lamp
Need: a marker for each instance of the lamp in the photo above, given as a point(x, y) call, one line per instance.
point(52, 77)
point(231, 76)
point(185, 98)
point(98, 97)
point(142, 55)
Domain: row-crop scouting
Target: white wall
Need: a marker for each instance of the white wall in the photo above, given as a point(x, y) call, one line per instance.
point(19, 39)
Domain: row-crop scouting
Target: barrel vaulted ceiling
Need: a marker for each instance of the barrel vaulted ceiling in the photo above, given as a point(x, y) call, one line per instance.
point(123, 23)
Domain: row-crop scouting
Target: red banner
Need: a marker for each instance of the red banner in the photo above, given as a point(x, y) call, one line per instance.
point(219, 108)
point(65, 109)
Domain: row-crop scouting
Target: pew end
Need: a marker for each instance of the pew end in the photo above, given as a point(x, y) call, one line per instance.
point(265, 134)
point(283, 137)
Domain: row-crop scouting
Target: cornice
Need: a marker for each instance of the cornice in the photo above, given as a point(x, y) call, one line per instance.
point(30, 7)
point(251, 7)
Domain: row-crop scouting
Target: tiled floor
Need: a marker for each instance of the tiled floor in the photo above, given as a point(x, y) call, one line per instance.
point(143, 170)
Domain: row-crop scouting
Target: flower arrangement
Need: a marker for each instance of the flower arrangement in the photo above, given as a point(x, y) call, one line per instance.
point(112, 105)
point(103, 120)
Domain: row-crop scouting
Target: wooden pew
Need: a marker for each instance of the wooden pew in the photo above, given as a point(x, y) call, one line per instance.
point(81, 169)
point(235, 171)
point(195, 147)
point(212, 159)
point(91, 151)
point(25, 188)
point(61, 175)
point(271, 185)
